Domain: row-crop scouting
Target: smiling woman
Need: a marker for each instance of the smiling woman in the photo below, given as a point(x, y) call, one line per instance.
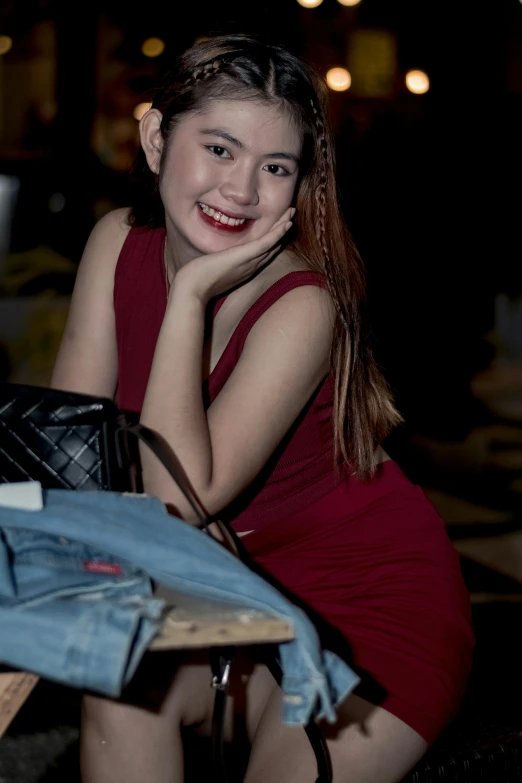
point(227, 307)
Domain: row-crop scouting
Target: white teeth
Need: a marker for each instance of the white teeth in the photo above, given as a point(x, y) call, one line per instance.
point(220, 217)
point(206, 210)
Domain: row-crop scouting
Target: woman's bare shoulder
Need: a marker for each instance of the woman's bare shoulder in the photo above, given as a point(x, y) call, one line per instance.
point(87, 360)
point(285, 263)
point(106, 241)
point(292, 262)
point(112, 227)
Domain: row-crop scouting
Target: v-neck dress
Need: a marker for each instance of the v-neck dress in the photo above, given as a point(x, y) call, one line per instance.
point(370, 561)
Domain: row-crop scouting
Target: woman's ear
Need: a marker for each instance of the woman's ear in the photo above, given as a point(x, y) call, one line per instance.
point(151, 138)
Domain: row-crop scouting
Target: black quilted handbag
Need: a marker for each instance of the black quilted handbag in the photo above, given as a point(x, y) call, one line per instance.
point(63, 440)
point(67, 440)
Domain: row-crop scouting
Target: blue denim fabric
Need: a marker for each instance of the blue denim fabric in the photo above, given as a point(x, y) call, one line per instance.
point(71, 621)
point(138, 531)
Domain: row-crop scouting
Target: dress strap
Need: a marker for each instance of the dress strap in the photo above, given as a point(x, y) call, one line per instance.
point(218, 303)
point(235, 345)
point(286, 283)
point(261, 305)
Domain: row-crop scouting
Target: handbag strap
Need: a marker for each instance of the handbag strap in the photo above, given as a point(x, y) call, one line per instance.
point(164, 452)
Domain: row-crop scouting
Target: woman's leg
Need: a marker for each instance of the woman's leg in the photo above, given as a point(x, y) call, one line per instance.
point(122, 742)
point(140, 739)
point(369, 745)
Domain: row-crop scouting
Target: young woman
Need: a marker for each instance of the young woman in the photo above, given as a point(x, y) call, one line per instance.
point(227, 306)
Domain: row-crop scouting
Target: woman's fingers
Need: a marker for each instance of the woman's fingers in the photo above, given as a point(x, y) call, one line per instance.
point(285, 221)
point(214, 273)
point(254, 254)
point(271, 238)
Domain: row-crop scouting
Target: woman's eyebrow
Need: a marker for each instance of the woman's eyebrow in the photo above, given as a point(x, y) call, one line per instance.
point(227, 137)
point(285, 155)
point(223, 135)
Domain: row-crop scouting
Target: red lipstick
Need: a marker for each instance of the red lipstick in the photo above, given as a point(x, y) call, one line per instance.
point(211, 221)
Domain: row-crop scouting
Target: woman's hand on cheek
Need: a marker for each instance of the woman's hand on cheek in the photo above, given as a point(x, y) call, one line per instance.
point(213, 274)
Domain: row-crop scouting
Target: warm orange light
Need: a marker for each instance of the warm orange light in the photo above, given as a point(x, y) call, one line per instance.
point(5, 44)
point(309, 3)
point(338, 79)
point(349, 3)
point(153, 47)
point(140, 110)
point(417, 82)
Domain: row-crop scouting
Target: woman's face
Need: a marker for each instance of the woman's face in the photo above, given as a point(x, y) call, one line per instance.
point(229, 174)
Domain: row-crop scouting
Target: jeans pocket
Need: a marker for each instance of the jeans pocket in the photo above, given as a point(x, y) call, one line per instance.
point(38, 566)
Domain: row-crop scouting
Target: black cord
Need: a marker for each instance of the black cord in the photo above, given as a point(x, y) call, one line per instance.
point(322, 754)
point(220, 661)
point(313, 731)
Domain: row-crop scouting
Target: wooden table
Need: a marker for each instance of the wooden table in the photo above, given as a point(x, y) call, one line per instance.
point(190, 623)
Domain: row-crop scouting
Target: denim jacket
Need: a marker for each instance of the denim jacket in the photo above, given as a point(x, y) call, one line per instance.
point(76, 600)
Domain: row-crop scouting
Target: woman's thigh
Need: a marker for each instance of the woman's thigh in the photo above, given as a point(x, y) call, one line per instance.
point(166, 686)
point(138, 737)
point(367, 744)
point(176, 689)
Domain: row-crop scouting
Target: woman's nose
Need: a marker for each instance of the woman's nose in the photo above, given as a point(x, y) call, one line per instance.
point(241, 187)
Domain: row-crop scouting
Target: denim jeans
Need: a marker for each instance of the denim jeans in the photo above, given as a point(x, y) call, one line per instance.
point(76, 601)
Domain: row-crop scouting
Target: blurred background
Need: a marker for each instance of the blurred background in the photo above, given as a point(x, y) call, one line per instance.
point(426, 105)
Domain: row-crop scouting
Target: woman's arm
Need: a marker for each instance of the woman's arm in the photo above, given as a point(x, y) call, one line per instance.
point(87, 360)
point(285, 357)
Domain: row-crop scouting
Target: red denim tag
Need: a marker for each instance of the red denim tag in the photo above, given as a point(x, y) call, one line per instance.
point(95, 566)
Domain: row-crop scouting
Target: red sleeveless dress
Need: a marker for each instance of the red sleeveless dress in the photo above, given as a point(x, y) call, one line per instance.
point(371, 561)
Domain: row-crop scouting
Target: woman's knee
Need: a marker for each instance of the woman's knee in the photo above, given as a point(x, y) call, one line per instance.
point(177, 690)
point(367, 744)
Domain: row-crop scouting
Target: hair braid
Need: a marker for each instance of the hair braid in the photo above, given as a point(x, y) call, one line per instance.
point(321, 206)
point(204, 72)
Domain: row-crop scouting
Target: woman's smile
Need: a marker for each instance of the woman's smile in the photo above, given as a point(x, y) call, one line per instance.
point(221, 221)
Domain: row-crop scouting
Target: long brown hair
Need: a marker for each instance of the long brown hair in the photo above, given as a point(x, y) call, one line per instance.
point(242, 68)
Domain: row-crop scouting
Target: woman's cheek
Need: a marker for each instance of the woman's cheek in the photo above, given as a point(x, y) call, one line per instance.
point(201, 175)
point(285, 193)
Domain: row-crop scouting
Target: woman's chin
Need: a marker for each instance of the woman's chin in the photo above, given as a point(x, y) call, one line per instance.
point(216, 244)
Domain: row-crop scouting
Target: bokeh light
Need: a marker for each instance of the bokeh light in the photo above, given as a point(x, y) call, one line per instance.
point(56, 202)
point(309, 3)
point(338, 79)
point(140, 110)
point(349, 3)
point(417, 82)
point(5, 44)
point(153, 47)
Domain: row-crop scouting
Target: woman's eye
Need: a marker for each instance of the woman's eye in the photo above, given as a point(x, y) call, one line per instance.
point(219, 152)
point(279, 171)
